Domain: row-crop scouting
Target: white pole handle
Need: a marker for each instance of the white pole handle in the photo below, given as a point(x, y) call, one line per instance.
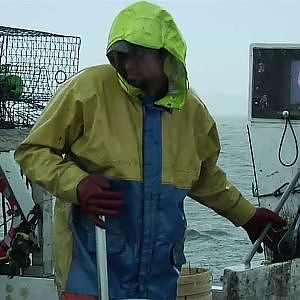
point(101, 262)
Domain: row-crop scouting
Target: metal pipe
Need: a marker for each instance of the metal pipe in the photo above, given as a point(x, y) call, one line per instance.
point(4, 216)
point(282, 201)
point(101, 262)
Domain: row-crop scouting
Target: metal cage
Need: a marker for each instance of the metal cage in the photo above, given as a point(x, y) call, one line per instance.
point(32, 66)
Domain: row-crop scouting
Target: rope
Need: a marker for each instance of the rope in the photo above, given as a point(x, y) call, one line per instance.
point(253, 167)
point(278, 192)
point(287, 122)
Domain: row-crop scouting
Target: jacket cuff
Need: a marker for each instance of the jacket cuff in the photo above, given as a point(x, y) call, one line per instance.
point(69, 182)
point(238, 218)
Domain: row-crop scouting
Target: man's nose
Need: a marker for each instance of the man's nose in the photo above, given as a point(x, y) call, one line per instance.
point(130, 62)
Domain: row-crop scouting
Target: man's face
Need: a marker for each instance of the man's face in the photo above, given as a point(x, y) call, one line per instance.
point(141, 66)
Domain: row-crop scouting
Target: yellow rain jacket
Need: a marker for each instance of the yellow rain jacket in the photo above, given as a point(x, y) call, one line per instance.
point(154, 152)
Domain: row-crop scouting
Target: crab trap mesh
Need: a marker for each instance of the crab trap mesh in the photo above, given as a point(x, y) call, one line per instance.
point(32, 66)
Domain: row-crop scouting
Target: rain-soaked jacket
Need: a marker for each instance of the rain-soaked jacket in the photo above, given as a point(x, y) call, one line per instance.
point(155, 153)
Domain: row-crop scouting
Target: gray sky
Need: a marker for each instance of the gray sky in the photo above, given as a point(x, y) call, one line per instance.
point(218, 35)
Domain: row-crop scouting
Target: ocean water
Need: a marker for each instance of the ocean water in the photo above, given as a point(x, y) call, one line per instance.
point(213, 241)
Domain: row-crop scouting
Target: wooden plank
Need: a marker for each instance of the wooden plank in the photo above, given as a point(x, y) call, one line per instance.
point(263, 282)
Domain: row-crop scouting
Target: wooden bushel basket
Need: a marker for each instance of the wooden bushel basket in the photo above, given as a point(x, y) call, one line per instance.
point(195, 284)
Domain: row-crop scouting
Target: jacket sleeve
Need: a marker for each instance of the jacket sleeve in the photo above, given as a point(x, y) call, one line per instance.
point(212, 188)
point(43, 154)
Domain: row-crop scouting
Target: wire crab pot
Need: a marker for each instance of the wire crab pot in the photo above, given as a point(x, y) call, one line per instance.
point(33, 64)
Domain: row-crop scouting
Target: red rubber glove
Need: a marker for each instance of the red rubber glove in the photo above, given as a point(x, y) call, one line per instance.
point(259, 221)
point(97, 199)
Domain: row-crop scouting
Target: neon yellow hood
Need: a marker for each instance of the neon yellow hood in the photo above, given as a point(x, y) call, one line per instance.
point(151, 26)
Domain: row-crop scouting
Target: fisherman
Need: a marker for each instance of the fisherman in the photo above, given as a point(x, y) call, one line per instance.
point(129, 141)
